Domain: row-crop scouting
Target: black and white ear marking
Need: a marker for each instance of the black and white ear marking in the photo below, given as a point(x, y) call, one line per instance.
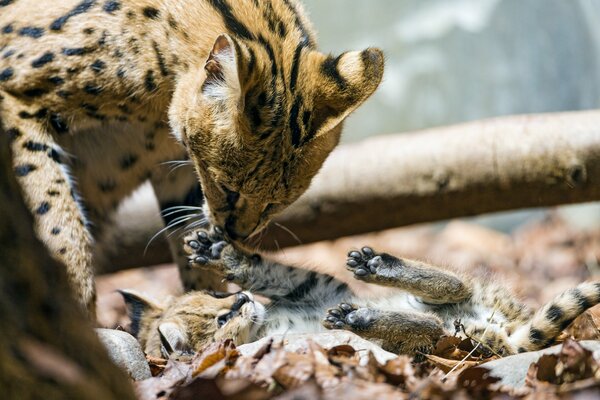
point(137, 306)
point(222, 78)
point(173, 339)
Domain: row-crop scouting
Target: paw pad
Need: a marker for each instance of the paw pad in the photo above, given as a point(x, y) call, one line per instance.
point(205, 246)
point(338, 317)
point(363, 262)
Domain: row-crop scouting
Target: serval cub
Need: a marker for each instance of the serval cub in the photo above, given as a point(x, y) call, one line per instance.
point(92, 91)
point(430, 302)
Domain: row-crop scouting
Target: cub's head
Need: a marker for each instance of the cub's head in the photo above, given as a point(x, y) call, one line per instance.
point(259, 121)
point(190, 322)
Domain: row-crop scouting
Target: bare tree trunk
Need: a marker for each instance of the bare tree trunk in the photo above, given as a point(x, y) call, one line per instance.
point(47, 346)
point(468, 169)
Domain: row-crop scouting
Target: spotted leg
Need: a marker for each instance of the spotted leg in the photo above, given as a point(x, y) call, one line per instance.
point(399, 332)
point(432, 284)
point(42, 171)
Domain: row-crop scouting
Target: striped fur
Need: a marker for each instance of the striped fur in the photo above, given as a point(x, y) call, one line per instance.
point(432, 301)
point(555, 316)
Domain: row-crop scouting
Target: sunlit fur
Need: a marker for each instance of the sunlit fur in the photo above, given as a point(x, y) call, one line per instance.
point(94, 90)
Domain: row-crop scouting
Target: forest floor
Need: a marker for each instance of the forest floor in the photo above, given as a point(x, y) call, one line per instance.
point(538, 261)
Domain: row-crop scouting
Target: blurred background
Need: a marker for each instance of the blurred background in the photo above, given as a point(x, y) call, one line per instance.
point(451, 61)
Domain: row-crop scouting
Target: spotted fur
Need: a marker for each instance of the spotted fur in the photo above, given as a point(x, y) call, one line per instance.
point(431, 302)
point(91, 91)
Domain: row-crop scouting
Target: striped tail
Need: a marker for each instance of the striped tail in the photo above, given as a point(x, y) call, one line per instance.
point(549, 321)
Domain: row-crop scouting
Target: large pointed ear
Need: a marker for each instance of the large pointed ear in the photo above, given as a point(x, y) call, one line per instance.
point(173, 338)
point(137, 307)
point(346, 82)
point(222, 76)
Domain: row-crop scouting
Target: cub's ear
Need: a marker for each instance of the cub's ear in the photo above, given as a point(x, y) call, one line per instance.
point(173, 339)
point(222, 73)
point(137, 307)
point(345, 83)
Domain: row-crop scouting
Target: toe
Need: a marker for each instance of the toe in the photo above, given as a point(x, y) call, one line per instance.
point(361, 272)
point(367, 251)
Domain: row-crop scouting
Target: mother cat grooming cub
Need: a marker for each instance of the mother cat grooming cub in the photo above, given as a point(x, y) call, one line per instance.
point(92, 90)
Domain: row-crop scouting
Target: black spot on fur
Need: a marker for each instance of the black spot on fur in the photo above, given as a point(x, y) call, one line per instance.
point(89, 31)
point(8, 29)
point(24, 169)
point(97, 66)
point(536, 336)
point(111, 6)
point(151, 12)
point(303, 289)
point(293, 122)
point(35, 146)
point(6, 74)
point(92, 89)
point(13, 134)
point(81, 8)
point(35, 92)
point(164, 71)
point(32, 31)
point(89, 107)
point(77, 51)
point(55, 230)
point(295, 67)
point(172, 22)
point(554, 313)
point(128, 161)
point(40, 114)
point(53, 154)
point(53, 193)
point(63, 94)
point(4, 3)
point(582, 302)
point(232, 24)
point(63, 250)
point(330, 69)
point(43, 208)
point(149, 81)
point(120, 73)
point(43, 60)
point(56, 80)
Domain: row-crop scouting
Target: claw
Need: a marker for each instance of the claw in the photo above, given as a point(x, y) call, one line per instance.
point(218, 230)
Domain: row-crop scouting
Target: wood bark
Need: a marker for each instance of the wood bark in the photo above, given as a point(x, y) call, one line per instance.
point(394, 180)
point(48, 348)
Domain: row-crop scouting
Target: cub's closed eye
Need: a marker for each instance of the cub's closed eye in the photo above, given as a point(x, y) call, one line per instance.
point(223, 319)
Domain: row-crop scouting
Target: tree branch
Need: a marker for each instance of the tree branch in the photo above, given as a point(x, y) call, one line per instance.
point(468, 169)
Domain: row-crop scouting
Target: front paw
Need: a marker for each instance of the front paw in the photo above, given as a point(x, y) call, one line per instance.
point(336, 317)
point(205, 248)
point(363, 263)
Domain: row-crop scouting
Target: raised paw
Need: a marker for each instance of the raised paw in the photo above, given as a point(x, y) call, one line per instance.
point(363, 263)
point(203, 246)
point(337, 318)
